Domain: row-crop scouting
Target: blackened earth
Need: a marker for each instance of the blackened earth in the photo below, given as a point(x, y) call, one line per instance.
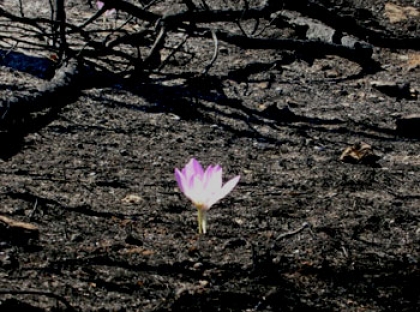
point(115, 233)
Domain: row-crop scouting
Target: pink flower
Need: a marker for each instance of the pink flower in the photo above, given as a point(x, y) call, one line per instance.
point(100, 5)
point(203, 188)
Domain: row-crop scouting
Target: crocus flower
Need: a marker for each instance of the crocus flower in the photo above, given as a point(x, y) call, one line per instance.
point(100, 5)
point(203, 188)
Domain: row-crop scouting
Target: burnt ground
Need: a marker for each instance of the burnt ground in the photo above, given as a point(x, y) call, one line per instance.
point(303, 231)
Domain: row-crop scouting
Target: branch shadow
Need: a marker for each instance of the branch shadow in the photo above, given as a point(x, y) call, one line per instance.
point(37, 66)
point(186, 101)
point(271, 288)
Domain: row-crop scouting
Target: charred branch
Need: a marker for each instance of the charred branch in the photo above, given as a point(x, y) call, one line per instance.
point(317, 48)
point(5, 291)
point(323, 31)
point(47, 95)
point(348, 24)
point(125, 6)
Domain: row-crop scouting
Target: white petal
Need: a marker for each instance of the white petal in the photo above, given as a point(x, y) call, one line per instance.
point(196, 191)
point(213, 179)
point(180, 179)
point(226, 189)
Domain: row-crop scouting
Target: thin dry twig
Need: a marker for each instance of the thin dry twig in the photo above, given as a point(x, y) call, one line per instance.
point(5, 291)
point(305, 225)
point(154, 51)
point(22, 13)
point(215, 53)
point(173, 52)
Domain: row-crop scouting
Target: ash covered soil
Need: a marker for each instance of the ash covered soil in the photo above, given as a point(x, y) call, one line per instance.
point(302, 231)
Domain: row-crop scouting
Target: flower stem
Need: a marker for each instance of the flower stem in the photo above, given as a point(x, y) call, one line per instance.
point(202, 221)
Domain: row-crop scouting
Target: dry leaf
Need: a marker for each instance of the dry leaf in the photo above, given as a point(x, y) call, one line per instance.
point(413, 61)
point(359, 153)
point(263, 85)
point(131, 199)
point(17, 230)
point(138, 250)
point(396, 13)
point(18, 224)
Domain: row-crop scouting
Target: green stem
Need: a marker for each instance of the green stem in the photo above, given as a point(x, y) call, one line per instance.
point(202, 221)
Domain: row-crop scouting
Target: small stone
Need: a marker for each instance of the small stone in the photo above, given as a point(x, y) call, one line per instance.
point(76, 237)
point(331, 74)
point(203, 283)
point(132, 199)
point(263, 85)
point(197, 265)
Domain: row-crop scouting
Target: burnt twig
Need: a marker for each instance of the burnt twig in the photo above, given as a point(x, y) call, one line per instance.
point(136, 11)
point(154, 55)
point(173, 52)
point(305, 225)
point(61, 21)
point(5, 291)
point(215, 53)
